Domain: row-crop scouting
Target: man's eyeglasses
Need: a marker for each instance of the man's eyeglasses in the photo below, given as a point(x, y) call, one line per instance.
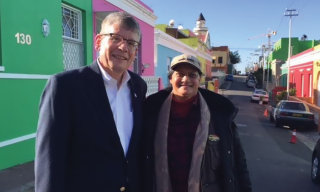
point(118, 40)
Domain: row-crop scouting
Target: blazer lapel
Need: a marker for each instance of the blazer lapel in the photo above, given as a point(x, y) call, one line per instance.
point(99, 98)
point(136, 112)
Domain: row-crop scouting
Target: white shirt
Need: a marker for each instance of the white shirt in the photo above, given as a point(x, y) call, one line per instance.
point(120, 102)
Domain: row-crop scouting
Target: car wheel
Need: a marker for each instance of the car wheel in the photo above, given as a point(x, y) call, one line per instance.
point(271, 118)
point(315, 169)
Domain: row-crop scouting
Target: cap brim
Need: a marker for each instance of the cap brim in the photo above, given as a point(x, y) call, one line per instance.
point(186, 63)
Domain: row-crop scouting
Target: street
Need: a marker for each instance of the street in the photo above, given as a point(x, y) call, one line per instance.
point(274, 164)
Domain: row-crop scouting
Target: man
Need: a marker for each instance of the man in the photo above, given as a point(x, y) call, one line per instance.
point(192, 141)
point(90, 120)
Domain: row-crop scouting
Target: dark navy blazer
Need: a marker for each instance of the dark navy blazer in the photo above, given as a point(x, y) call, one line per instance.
point(78, 148)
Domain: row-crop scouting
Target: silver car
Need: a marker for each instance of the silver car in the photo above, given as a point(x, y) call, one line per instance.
point(251, 83)
point(292, 113)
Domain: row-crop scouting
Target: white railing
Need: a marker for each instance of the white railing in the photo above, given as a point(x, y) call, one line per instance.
point(153, 84)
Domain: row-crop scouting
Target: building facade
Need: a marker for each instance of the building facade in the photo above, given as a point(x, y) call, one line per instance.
point(41, 38)
point(220, 58)
point(38, 39)
point(301, 73)
point(145, 16)
point(166, 48)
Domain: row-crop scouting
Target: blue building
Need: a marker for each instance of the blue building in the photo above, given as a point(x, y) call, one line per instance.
point(166, 48)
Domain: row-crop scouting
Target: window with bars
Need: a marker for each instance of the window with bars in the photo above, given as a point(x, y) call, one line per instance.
point(1, 67)
point(71, 23)
point(73, 52)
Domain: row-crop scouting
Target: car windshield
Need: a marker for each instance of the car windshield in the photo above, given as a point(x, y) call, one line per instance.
point(294, 106)
point(260, 92)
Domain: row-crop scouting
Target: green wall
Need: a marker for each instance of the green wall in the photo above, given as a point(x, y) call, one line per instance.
point(281, 48)
point(42, 56)
point(191, 41)
point(161, 27)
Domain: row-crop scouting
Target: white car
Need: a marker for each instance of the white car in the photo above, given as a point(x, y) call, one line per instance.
point(260, 93)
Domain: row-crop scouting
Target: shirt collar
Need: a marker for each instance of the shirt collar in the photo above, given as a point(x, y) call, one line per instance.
point(109, 80)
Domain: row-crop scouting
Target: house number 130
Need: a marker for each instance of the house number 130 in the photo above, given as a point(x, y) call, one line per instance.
point(23, 39)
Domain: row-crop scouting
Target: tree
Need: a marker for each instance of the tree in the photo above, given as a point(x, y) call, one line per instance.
point(234, 57)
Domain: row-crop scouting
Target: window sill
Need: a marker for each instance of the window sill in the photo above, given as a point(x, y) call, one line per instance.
point(1, 68)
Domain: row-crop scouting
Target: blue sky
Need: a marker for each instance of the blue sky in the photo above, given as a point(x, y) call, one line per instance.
point(232, 22)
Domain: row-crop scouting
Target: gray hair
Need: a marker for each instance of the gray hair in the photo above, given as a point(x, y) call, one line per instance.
point(124, 19)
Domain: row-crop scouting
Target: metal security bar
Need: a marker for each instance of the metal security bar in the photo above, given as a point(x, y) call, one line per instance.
point(72, 54)
point(153, 84)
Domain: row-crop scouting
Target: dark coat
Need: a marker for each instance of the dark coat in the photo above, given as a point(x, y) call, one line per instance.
point(234, 172)
point(78, 148)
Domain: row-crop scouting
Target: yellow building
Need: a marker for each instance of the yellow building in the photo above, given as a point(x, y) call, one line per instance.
point(220, 58)
point(316, 75)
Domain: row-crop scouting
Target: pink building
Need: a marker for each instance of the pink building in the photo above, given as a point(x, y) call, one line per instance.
point(144, 63)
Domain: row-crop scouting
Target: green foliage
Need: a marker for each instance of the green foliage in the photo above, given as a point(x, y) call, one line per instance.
point(292, 92)
point(234, 57)
point(283, 94)
point(259, 76)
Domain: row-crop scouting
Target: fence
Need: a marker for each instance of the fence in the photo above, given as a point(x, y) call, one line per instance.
point(153, 84)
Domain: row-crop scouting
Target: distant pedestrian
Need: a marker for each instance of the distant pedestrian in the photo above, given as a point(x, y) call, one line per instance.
point(192, 141)
point(89, 130)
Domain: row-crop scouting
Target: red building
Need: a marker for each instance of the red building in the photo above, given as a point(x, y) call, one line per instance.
point(301, 71)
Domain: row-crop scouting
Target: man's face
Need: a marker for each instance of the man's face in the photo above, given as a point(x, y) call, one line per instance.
point(114, 56)
point(185, 81)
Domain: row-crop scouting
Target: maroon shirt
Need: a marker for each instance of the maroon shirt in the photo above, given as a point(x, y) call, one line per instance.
point(183, 124)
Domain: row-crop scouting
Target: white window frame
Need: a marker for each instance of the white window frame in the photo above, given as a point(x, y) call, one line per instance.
point(310, 85)
point(302, 85)
point(79, 23)
point(168, 63)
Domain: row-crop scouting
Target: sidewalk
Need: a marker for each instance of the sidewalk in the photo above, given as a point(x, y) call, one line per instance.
point(224, 87)
point(18, 179)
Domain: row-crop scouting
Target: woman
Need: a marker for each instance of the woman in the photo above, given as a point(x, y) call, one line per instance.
point(192, 141)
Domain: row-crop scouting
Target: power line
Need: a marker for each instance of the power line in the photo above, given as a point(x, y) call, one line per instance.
point(280, 23)
point(303, 6)
point(293, 3)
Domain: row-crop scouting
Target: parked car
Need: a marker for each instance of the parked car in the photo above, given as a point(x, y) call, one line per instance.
point(315, 170)
point(251, 83)
point(250, 77)
point(229, 77)
point(260, 93)
point(292, 113)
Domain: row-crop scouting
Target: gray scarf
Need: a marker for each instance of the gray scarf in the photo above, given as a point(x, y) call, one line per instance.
point(163, 183)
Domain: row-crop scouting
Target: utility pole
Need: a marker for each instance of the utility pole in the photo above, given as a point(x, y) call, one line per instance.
point(289, 13)
point(269, 49)
point(263, 64)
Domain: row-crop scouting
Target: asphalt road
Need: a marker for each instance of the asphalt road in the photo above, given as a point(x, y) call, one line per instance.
point(274, 164)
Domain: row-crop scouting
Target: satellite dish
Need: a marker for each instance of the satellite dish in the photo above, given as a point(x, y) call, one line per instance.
point(180, 27)
point(304, 37)
point(171, 23)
